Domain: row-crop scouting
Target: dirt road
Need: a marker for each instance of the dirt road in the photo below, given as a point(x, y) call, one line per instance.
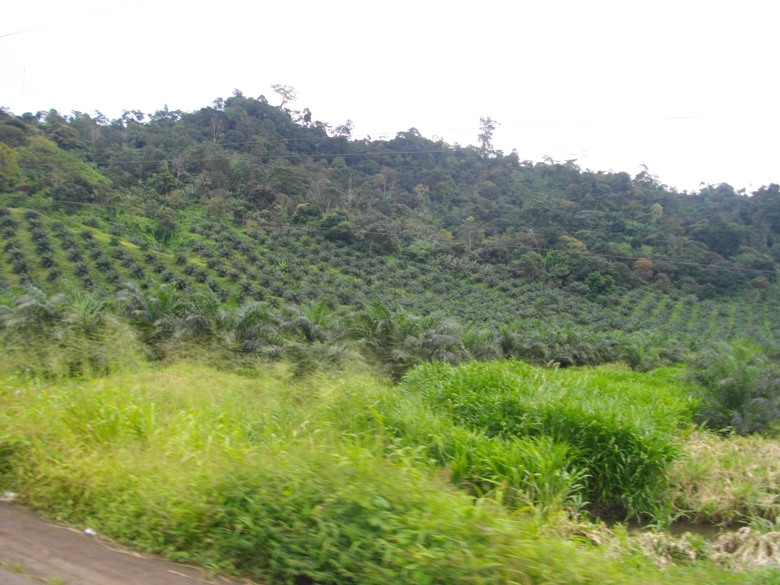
point(35, 551)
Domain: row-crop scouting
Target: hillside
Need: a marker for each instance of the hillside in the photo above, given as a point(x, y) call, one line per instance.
point(254, 229)
point(245, 161)
point(243, 338)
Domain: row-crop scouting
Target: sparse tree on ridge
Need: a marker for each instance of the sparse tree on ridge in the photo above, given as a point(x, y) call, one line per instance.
point(486, 128)
point(287, 93)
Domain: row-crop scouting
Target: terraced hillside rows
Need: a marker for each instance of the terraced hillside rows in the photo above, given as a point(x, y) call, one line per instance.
point(398, 308)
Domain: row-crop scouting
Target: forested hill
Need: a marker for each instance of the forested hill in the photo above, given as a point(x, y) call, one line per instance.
point(247, 163)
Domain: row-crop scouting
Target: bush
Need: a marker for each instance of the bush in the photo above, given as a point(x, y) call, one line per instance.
point(741, 388)
point(71, 334)
point(268, 492)
point(619, 426)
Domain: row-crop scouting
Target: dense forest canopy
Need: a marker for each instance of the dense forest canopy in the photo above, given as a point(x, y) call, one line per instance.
point(245, 161)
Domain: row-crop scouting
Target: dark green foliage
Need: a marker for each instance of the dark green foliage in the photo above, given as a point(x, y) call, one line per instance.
point(6, 221)
point(599, 284)
point(454, 256)
point(20, 267)
point(81, 269)
point(306, 213)
point(741, 388)
point(47, 261)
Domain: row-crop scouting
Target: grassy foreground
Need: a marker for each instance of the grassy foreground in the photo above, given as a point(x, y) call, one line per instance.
point(347, 479)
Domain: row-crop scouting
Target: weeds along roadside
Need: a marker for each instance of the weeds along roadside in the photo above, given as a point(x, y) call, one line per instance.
point(725, 480)
point(203, 465)
point(228, 472)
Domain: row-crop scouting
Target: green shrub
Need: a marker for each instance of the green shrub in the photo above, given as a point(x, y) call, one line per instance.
point(741, 388)
point(620, 426)
point(65, 335)
point(231, 473)
point(533, 474)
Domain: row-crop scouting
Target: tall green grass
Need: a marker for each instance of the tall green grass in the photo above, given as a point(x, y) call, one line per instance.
point(532, 474)
point(303, 480)
point(237, 474)
point(620, 429)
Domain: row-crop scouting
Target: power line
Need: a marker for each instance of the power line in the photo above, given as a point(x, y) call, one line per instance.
point(253, 158)
point(69, 18)
point(367, 135)
point(503, 245)
point(509, 246)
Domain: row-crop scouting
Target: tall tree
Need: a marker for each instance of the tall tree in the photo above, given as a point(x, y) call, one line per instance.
point(286, 92)
point(486, 128)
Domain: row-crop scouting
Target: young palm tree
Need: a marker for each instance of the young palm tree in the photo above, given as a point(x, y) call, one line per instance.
point(254, 329)
point(31, 312)
point(741, 387)
point(482, 343)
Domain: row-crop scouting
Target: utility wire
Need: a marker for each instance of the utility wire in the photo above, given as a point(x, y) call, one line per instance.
point(503, 245)
point(367, 136)
point(254, 158)
point(69, 18)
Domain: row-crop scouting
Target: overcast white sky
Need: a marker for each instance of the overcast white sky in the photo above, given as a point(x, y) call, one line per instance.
point(688, 88)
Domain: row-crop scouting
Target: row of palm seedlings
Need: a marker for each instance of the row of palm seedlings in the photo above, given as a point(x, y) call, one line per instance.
point(301, 268)
point(747, 316)
point(80, 332)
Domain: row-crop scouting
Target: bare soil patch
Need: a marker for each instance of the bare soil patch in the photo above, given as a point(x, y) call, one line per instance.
point(34, 550)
